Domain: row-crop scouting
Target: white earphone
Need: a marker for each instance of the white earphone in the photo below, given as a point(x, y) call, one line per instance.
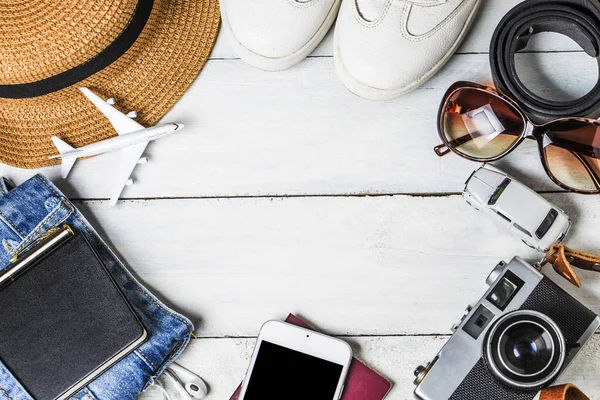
point(189, 385)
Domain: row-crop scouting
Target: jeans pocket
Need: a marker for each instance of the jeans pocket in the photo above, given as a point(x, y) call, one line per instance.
point(124, 381)
point(10, 388)
point(15, 240)
point(83, 394)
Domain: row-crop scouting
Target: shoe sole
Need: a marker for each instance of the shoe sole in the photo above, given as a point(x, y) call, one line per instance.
point(274, 64)
point(373, 93)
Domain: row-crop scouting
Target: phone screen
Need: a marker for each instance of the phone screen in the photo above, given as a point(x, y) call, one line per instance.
point(282, 373)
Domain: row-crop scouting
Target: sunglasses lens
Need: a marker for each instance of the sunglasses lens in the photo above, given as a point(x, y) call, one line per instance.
point(479, 124)
point(572, 153)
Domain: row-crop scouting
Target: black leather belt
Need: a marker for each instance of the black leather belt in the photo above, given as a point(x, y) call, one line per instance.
point(577, 19)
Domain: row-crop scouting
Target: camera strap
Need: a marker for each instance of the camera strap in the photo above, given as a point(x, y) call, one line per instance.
point(565, 259)
point(577, 19)
point(565, 392)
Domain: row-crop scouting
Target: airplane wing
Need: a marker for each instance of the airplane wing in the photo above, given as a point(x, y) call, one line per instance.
point(130, 156)
point(121, 122)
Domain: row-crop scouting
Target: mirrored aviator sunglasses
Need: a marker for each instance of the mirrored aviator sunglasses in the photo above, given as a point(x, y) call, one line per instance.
point(480, 124)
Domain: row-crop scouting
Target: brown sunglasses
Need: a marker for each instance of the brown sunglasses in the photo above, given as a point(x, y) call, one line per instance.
point(480, 124)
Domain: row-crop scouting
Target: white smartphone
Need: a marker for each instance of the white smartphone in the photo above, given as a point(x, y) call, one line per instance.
point(294, 363)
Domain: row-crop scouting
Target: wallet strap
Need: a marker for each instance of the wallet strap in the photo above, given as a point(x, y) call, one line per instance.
point(565, 392)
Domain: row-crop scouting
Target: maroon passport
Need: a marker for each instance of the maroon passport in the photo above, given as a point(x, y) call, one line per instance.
point(362, 382)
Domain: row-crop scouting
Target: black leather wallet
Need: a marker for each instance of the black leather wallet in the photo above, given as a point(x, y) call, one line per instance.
point(63, 319)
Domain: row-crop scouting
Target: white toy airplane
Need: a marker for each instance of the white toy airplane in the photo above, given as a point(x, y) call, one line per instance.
point(132, 141)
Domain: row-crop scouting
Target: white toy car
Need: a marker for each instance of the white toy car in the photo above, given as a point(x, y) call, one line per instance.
point(516, 207)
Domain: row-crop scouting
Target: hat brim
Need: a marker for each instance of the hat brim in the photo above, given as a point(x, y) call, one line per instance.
point(149, 78)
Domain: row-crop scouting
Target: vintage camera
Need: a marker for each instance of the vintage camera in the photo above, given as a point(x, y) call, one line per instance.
point(515, 341)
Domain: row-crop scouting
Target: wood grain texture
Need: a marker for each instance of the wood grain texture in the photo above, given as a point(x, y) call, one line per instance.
point(355, 266)
point(223, 363)
point(301, 132)
point(391, 273)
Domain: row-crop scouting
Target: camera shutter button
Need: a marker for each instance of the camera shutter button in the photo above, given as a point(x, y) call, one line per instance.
point(422, 371)
point(419, 370)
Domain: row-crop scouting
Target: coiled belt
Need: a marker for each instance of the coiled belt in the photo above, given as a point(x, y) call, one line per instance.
point(577, 19)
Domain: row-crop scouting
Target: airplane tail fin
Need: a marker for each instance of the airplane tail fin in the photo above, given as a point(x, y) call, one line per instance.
point(61, 146)
point(67, 162)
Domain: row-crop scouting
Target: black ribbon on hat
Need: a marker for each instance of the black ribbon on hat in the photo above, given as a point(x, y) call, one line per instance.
point(83, 71)
point(577, 19)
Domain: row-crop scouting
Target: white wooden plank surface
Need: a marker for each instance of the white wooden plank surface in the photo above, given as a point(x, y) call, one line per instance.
point(356, 266)
point(390, 273)
point(223, 362)
point(300, 132)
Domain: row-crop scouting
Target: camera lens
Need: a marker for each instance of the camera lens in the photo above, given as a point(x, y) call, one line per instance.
point(525, 350)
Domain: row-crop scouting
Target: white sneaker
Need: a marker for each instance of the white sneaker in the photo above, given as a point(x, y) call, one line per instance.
point(385, 48)
point(276, 34)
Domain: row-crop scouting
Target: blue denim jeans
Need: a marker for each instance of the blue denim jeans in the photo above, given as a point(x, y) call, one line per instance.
point(37, 205)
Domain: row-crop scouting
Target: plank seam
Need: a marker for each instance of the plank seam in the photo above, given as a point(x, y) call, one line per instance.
point(293, 196)
point(466, 53)
point(415, 335)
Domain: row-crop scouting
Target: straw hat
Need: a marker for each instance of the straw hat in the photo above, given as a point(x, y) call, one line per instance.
point(143, 53)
